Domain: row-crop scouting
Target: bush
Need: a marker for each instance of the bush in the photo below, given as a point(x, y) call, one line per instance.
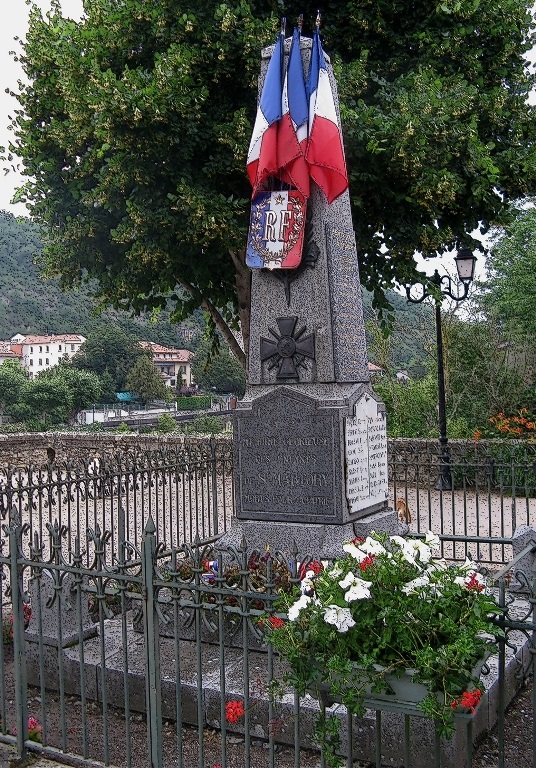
point(193, 403)
point(13, 427)
point(123, 428)
point(166, 424)
point(204, 425)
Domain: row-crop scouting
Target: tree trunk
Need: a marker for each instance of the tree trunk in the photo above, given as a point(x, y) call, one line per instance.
point(243, 291)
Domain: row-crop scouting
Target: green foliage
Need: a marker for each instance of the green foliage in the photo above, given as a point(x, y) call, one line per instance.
point(145, 381)
point(109, 351)
point(489, 370)
point(84, 387)
point(193, 403)
point(411, 406)
point(204, 425)
point(387, 606)
point(12, 381)
point(133, 129)
point(123, 429)
point(33, 304)
point(218, 371)
point(166, 424)
point(510, 291)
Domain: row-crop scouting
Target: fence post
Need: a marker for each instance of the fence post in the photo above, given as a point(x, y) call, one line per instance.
point(19, 656)
point(214, 473)
point(153, 694)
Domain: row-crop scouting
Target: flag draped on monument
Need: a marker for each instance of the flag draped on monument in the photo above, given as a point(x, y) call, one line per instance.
point(292, 136)
point(325, 154)
point(297, 135)
point(262, 159)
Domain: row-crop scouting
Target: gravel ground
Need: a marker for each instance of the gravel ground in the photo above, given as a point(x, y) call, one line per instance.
point(518, 746)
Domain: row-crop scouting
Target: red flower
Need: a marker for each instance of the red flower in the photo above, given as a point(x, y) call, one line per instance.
point(367, 562)
point(275, 622)
point(473, 583)
point(470, 699)
point(234, 710)
point(315, 566)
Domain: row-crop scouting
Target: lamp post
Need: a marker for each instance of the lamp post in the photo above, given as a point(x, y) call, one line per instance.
point(439, 286)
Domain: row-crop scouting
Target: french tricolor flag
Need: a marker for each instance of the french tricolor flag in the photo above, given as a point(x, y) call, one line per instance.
point(262, 159)
point(293, 128)
point(325, 153)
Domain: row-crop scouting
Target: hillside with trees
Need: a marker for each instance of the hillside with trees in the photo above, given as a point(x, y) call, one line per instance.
point(31, 304)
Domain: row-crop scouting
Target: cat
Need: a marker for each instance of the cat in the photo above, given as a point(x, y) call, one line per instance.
point(404, 512)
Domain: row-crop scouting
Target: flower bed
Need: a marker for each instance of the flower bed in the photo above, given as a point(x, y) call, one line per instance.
point(388, 606)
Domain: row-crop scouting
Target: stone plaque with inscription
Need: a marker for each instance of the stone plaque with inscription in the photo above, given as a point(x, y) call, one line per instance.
point(288, 455)
point(366, 456)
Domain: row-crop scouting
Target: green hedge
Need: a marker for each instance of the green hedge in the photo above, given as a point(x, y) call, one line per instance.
point(194, 403)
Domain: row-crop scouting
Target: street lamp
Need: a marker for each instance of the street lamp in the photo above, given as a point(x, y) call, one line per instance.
point(439, 286)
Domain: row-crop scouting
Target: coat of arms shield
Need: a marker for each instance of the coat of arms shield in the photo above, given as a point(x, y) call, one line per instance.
point(276, 230)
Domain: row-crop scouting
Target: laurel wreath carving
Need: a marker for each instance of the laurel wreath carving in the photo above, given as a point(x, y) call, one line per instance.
point(256, 231)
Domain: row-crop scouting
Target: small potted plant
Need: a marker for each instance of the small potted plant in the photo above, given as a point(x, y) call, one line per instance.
point(389, 614)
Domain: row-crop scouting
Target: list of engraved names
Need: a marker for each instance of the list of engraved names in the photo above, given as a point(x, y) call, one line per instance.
point(366, 458)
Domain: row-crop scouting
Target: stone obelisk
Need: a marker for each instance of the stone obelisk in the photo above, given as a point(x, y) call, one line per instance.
point(310, 446)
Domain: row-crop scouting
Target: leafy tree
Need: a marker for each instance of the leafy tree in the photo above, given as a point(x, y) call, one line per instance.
point(510, 290)
point(135, 122)
point(109, 350)
point(144, 380)
point(84, 387)
point(490, 371)
point(107, 387)
point(46, 399)
point(220, 372)
point(12, 380)
point(411, 407)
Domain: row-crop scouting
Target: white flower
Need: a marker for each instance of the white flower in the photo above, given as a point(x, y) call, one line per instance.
point(416, 584)
point(339, 617)
point(358, 588)
point(413, 550)
point(372, 547)
point(335, 572)
point(432, 540)
point(366, 548)
point(301, 603)
point(469, 566)
point(354, 551)
point(438, 564)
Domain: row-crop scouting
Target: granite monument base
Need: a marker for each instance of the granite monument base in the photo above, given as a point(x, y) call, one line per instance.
point(319, 541)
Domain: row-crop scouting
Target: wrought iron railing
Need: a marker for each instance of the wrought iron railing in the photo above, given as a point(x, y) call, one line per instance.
point(142, 631)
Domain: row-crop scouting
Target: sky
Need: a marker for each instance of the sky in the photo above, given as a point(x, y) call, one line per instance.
point(14, 24)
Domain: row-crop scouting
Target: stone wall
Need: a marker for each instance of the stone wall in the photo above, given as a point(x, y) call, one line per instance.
point(38, 448)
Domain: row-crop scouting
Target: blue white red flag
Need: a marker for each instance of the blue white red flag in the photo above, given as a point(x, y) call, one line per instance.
point(293, 128)
point(262, 159)
point(325, 153)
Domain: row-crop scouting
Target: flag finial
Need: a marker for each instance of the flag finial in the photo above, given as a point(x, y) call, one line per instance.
point(299, 22)
point(318, 18)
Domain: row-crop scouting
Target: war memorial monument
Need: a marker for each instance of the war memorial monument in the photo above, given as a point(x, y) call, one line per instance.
point(310, 445)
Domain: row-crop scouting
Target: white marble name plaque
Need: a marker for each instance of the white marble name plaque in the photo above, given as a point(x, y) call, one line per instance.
point(366, 456)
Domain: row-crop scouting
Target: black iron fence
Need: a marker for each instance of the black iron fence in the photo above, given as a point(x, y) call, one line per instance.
point(186, 489)
point(493, 493)
point(152, 657)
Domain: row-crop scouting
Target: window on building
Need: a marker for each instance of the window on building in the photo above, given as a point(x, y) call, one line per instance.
point(40, 361)
point(40, 349)
point(46, 361)
point(31, 362)
point(31, 349)
point(59, 347)
point(48, 348)
point(72, 347)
